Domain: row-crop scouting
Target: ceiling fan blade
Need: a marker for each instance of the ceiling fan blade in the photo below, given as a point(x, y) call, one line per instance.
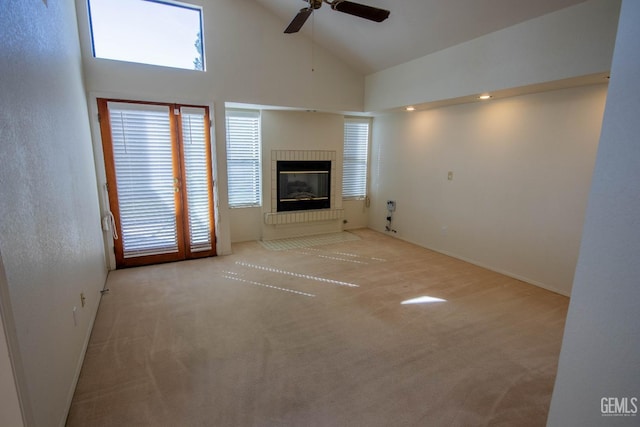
point(361, 10)
point(299, 20)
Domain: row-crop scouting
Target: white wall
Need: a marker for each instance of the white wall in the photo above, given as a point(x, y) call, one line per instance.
point(601, 346)
point(10, 411)
point(356, 213)
point(295, 130)
point(248, 60)
point(245, 224)
point(10, 414)
point(50, 234)
point(572, 42)
point(521, 172)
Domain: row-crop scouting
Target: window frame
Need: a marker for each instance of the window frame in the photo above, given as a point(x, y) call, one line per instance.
point(171, 3)
point(345, 160)
point(181, 179)
point(257, 194)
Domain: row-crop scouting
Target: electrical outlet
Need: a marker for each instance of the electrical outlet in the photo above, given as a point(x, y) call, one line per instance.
point(450, 176)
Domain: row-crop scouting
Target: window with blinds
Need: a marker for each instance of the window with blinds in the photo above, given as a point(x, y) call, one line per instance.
point(243, 158)
point(197, 177)
point(143, 160)
point(356, 149)
point(159, 177)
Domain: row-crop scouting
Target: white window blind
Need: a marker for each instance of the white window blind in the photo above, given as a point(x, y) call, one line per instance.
point(142, 151)
point(356, 148)
point(194, 146)
point(243, 158)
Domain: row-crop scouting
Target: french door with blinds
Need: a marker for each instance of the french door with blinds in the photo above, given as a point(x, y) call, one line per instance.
point(159, 177)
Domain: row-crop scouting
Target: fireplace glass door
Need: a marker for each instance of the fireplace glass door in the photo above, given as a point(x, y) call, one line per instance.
point(303, 185)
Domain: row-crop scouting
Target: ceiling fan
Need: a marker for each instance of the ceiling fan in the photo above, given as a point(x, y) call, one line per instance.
point(360, 10)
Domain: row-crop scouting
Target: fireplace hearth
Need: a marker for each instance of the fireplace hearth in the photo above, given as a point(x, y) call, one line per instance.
point(303, 185)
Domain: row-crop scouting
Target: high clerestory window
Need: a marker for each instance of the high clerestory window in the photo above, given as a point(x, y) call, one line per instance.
point(155, 32)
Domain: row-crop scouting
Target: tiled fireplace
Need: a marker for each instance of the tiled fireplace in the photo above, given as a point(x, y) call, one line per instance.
point(304, 197)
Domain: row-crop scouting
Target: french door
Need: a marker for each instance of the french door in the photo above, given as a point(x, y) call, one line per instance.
point(159, 178)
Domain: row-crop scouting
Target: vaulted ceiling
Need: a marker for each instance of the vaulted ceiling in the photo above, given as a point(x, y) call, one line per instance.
point(414, 29)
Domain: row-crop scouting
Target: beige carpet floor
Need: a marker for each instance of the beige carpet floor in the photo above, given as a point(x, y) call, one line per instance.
point(319, 336)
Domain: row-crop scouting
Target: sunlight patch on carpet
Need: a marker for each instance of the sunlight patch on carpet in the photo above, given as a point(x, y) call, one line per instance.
point(308, 241)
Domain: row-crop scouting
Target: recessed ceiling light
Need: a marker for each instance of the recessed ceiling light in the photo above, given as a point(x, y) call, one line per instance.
point(484, 97)
point(410, 108)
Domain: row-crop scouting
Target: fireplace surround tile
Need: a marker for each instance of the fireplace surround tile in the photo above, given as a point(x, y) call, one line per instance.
point(302, 220)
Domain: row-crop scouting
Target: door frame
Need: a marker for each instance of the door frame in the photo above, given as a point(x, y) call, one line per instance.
point(99, 161)
point(210, 178)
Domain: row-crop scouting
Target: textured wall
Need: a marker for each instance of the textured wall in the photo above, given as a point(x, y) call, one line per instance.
point(50, 234)
point(571, 42)
point(521, 172)
point(10, 414)
point(601, 347)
